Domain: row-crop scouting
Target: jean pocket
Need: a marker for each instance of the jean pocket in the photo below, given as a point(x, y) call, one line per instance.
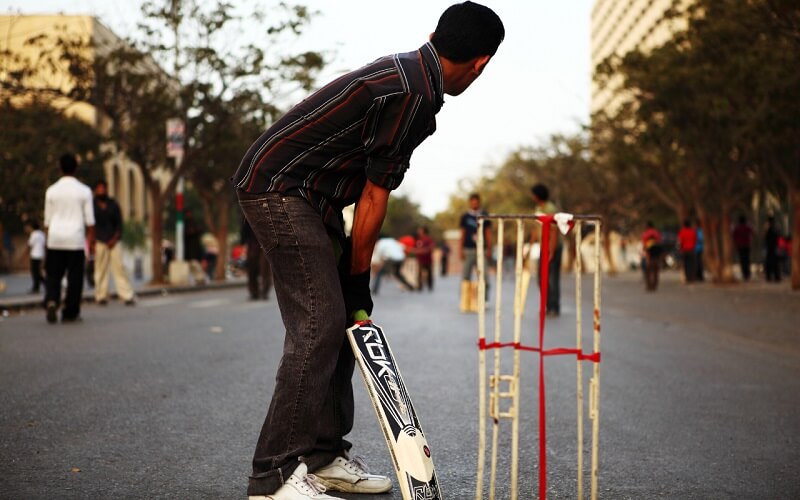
point(258, 214)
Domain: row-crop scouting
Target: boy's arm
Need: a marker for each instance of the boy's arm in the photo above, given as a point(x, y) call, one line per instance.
point(369, 214)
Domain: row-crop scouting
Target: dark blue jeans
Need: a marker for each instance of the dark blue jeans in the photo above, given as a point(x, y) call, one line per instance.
point(312, 405)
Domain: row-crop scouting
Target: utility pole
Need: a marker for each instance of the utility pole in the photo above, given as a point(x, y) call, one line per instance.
point(176, 133)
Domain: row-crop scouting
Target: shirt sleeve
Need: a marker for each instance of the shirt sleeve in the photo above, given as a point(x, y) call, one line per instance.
point(48, 210)
point(389, 139)
point(88, 209)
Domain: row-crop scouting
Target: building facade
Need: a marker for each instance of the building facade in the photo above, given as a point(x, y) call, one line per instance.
point(620, 26)
point(124, 179)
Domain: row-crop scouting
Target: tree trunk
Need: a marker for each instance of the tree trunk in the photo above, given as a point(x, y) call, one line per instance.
point(794, 199)
point(726, 261)
point(711, 251)
point(156, 232)
point(682, 211)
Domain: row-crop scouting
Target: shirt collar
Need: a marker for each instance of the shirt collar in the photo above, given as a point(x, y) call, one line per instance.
point(434, 66)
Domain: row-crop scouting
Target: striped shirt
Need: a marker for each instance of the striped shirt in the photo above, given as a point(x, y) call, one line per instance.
point(363, 125)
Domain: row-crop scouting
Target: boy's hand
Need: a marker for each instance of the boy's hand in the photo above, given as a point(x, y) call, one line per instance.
point(355, 287)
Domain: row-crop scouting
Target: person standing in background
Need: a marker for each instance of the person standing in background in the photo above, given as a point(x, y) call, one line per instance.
point(468, 248)
point(210, 253)
point(771, 269)
point(69, 220)
point(785, 254)
point(543, 205)
point(423, 249)
point(107, 250)
point(743, 239)
point(651, 258)
point(444, 260)
point(698, 252)
point(36, 245)
point(687, 244)
point(193, 248)
point(259, 276)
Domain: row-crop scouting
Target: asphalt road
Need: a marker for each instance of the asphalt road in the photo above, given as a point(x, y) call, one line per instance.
point(700, 394)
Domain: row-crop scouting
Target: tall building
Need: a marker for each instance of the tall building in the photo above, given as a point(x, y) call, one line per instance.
point(620, 26)
point(16, 33)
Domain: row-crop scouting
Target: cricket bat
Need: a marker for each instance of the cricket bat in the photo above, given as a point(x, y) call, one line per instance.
point(408, 447)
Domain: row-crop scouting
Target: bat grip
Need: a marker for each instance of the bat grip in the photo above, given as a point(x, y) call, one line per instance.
point(361, 316)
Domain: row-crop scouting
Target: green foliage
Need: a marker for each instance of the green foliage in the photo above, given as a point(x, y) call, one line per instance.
point(134, 234)
point(403, 218)
point(32, 139)
point(710, 116)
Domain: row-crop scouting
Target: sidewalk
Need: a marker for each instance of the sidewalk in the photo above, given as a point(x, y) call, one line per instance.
point(17, 296)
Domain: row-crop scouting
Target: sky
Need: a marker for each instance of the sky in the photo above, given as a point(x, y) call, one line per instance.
point(536, 85)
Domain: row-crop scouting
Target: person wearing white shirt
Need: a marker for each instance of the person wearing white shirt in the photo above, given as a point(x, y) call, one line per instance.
point(389, 254)
point(36, 245)
point(69, 220)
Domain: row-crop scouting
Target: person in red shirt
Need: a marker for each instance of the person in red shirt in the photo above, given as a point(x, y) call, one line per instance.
point(742, 239)
point(651, 255)
point(687, 241)
point(785, 254)
point(423, 249)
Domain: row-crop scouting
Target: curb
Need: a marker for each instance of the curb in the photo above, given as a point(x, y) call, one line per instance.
point(13, 304)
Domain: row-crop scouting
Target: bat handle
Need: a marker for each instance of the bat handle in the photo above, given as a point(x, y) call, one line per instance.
point(361, 317)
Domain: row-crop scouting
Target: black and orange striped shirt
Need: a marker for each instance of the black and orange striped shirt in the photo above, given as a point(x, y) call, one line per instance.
point(363, 125)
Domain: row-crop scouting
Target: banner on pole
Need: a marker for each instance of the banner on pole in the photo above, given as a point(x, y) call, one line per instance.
point(176, 131)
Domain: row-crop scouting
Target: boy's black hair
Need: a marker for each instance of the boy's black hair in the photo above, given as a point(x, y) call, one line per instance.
point(466, 31)
point(540, 191)
point(68, 163)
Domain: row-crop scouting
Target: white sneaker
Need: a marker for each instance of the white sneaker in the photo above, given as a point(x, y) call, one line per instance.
point(352, 476)
point(299, 486)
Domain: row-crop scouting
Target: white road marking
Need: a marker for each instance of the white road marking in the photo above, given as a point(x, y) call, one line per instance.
point(201, 304)
point(165, 301)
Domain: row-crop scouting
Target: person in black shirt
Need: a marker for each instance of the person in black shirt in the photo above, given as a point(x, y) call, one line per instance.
point(468, 252)
point(772, 270)
point(349, 142)
point(193, 251)
point(107, 250)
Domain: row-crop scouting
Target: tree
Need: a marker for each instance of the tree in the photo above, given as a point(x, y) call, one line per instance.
point(210, 81)
point(694, 106)
point(403, 217)
point(223, 133)
point(137, 98)
point(226, 93)
point(576, 183)
point(32, 139)
point(778, 85)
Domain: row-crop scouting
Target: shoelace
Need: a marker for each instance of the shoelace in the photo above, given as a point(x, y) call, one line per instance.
point(358, 463)
point(313, 483)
